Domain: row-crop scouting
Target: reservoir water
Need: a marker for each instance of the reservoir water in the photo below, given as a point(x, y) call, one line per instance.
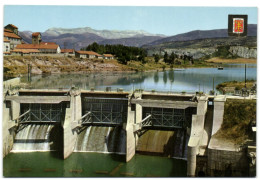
point(47, 164)
point(188, 80)
point(94, 153)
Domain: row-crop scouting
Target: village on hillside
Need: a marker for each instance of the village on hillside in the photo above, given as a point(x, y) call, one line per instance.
point(15, 46)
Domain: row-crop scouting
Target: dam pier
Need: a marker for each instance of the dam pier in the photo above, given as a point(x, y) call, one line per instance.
point(75, 120)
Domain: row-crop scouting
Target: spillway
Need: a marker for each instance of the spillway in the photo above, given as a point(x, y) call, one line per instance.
point(164, 143)
point(33, 137)
point(101, 139)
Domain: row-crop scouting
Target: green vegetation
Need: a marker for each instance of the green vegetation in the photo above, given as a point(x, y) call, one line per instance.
point(123, 53)
point(156, 58)
point(238, 116)
point(229, 87)
point(223, 52)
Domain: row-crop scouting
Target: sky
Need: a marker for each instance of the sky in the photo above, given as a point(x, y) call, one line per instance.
point(156, 20)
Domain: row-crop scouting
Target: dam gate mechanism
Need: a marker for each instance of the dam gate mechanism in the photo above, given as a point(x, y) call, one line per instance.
point(104, 111)
point(167, 117)
point(32, 113)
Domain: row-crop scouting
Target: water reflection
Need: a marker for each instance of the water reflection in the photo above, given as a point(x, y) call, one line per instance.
point(189, 80)
point(156, 77)
point(171, 75)
point(165, 77)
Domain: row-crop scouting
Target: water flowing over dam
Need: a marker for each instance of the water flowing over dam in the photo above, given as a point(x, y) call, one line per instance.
point(101, 139)
point(164, 143)
point(33, 137)
point(63, 122)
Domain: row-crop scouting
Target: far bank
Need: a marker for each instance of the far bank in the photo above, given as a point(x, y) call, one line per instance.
point(15, 66)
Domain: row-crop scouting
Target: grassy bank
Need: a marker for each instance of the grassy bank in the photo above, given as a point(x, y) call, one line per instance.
point(230, 61)
point(238, 116)
point(231, 86)
point(18, 65)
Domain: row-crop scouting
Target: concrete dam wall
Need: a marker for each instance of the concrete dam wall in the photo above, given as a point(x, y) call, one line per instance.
point(171, 125)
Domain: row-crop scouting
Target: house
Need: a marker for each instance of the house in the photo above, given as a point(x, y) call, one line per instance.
point(108, 56)
point(7, 53)
point(36, 38)
point(6, 45)
point(23, 52)
point(68, 52)
point(45, 48)
point(12, 28)
point(88, 54)
point(13, 38)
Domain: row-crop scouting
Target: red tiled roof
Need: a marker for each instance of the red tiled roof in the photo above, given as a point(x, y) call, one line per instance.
point(26, 51)
point(11, 35)
point(37, 46)
point(108, 55)
point(89, 53)
point(48, 43)
point(67, 50)
point(6, 40)
point(13, 26)
point(7, 53)
point(36, 34)
point(7, 30)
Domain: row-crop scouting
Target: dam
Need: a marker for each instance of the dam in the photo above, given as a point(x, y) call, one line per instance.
point(127, 123)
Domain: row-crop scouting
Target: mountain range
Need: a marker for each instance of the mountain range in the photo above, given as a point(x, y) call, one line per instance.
point(81, 37)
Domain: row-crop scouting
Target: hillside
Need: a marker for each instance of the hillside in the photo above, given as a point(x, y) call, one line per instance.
point(106, 34)
point(243, 47)
point(133, 41)
point(17, 65)
point(78, 38)
point(202, 34)
point(81, 37)
point(209, 43)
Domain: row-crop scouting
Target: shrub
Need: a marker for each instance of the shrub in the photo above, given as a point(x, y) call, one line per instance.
point(238, 115)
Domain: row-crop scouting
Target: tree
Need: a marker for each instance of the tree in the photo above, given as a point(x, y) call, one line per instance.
point(124, 53)
point(122, 60)
point(165, 57)
point(141, 58)
point(156, 58)
point(172, 58)
point(184, 58)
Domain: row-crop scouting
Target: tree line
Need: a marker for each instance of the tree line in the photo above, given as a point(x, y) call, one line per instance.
point(172, 58)
point(123, 53)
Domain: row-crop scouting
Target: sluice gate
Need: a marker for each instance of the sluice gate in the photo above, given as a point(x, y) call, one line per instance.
point(104, 111)
point(168, 117)
point(160, 124)
point(101, 124)
point(42, 113)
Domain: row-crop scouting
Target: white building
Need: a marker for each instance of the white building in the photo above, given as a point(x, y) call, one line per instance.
point(13, 38)
point(6, 45)
point(88, 54)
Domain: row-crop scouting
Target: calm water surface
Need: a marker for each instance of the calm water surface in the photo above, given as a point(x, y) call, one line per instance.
point(188, 80)
point(47, 164)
